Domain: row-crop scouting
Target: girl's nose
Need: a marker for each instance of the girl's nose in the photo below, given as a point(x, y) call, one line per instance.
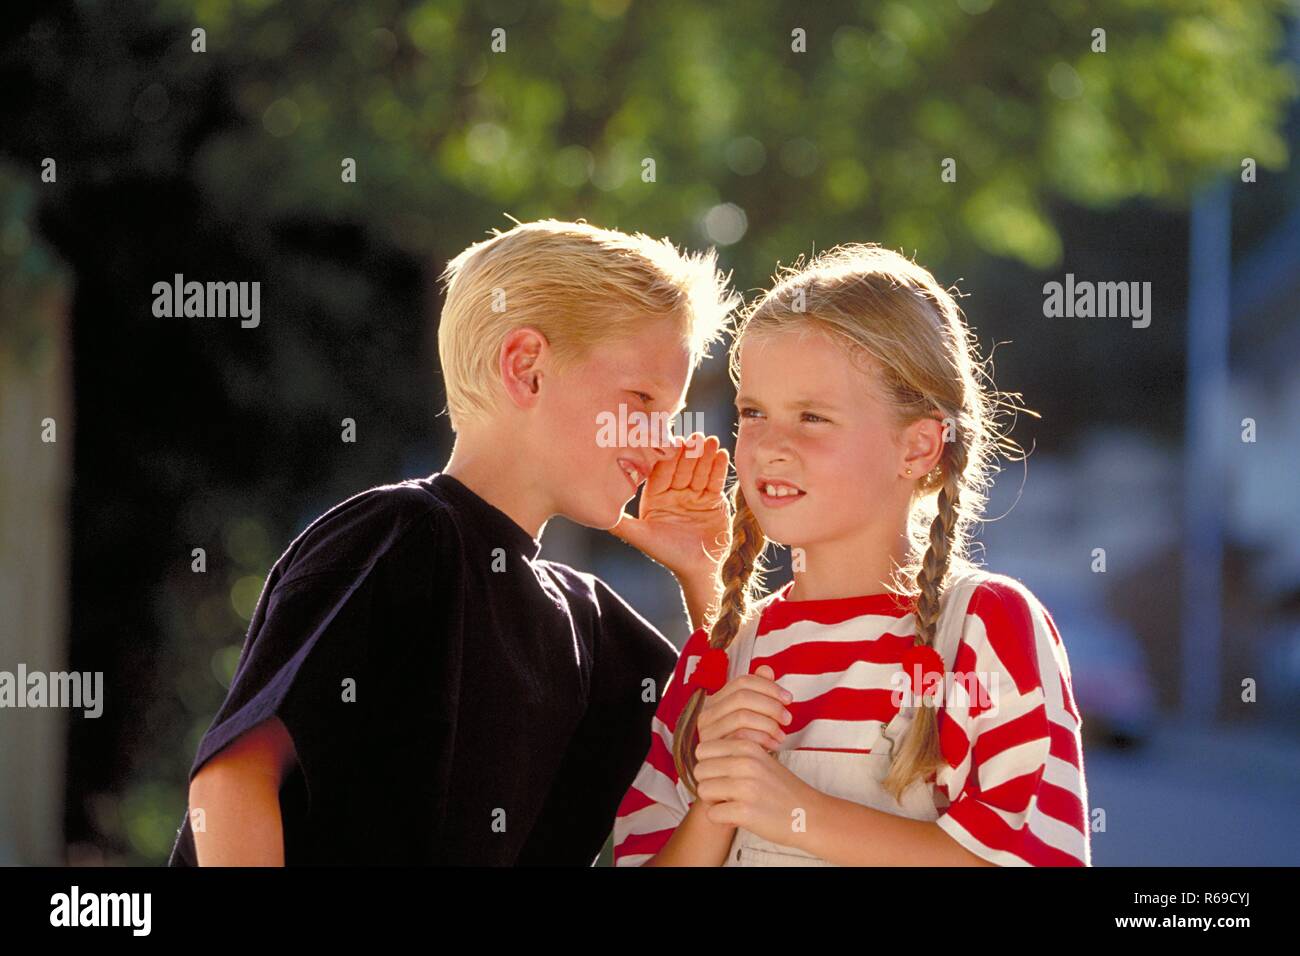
point(772, 446)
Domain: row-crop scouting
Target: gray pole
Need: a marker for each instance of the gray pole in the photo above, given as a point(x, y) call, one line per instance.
point(1205, 460)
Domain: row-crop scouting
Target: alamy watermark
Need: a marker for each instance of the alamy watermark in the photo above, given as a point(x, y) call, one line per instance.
point(636, 429)
point(61, 689)
point(1086, 300)
point(979, 690)
point(75, 908)
point(180, 299)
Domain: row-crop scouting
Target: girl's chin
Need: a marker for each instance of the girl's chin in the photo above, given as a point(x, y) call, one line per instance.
point(787, 540)
point(786, 534)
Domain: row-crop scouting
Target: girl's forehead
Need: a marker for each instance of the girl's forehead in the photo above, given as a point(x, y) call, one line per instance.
point(807, 351)
point(809, 334)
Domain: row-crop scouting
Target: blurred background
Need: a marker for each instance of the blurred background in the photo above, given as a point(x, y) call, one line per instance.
point(1113, 140)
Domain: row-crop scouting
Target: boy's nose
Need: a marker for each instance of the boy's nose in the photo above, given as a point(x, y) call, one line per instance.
point(664, 445)
point(662, 440)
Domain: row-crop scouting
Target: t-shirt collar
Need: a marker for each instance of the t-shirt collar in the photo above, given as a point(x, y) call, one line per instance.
point(494, 523)
point(783, 611)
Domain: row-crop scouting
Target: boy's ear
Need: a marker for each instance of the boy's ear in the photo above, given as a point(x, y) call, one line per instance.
point(923, 446)
point(522, 354)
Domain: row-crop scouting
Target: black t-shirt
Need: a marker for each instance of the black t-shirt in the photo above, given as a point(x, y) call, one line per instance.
point(452, 697)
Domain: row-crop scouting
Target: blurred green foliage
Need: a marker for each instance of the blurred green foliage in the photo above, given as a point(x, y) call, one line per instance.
point(842, 139)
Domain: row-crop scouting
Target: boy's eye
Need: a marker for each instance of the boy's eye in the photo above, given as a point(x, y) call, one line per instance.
point(644, 397)
point(748, 412)
point(816, 418)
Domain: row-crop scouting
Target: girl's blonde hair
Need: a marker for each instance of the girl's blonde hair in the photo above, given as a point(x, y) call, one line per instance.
point(579, 285)
point(910, 334)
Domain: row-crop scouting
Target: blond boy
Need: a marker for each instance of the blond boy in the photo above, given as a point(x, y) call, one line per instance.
point(418, 685)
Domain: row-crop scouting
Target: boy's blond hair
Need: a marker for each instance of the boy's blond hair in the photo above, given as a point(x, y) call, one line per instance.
point(579, 285)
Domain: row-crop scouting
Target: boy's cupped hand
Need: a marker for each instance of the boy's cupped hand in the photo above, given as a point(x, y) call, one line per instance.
point(684, 518)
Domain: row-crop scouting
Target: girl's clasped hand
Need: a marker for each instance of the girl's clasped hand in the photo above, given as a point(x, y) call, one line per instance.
point(739, 778)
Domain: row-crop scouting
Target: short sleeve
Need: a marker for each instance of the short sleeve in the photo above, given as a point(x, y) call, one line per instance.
point(1010, 735)
point(658, 801)
point(300, 634)
point(310, 657)
point(605, 751)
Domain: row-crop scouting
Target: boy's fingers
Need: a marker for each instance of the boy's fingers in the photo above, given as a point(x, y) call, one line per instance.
point(718, 473)
point(704, 464)
point(685, 467)
point(661, 475)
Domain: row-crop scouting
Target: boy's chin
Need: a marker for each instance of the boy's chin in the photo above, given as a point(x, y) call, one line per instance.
point(590, 514)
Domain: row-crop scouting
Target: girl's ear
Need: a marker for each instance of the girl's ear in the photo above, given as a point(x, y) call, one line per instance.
point(922, 446)
point(521, 360)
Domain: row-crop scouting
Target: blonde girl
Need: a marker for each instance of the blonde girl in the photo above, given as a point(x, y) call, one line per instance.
point(894, 704)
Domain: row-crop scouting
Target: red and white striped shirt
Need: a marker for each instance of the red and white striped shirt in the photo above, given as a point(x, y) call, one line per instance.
point(1014, 777)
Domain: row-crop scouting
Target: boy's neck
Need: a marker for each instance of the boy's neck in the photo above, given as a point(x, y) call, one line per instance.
point(476, 462)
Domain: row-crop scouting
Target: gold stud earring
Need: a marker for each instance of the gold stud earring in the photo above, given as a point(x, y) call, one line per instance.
point(909, 472)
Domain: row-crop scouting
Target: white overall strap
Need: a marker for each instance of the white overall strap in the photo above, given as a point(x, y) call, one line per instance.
point(953, 603)
point(741, 652)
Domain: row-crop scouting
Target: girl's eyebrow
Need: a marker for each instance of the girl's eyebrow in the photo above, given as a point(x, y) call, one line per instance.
point(800, 403)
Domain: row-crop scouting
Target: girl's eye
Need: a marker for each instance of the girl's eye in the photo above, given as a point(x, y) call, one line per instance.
point(749, 413)
point(815, 418)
